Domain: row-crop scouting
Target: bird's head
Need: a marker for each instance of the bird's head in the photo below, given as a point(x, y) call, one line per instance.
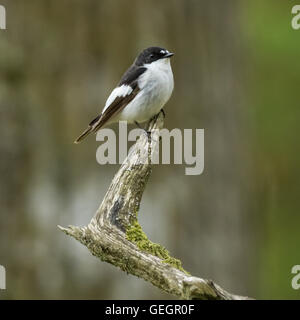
point(152, 54)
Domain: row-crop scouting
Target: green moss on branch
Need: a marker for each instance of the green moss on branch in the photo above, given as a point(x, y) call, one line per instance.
point(135, 234)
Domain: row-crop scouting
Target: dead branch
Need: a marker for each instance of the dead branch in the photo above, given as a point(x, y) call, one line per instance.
point(114, 235)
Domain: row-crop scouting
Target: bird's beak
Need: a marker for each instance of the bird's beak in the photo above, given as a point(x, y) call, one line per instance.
point(169, 55)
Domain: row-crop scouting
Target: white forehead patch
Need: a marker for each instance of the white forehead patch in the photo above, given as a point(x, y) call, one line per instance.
point(164, 51)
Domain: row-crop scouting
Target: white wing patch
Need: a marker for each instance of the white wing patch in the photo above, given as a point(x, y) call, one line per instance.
point(121, 91)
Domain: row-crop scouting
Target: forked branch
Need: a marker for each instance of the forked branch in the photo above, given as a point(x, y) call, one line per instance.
point(114, 235)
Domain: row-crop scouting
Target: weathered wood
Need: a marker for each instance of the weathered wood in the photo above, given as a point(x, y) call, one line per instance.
point(114, 235)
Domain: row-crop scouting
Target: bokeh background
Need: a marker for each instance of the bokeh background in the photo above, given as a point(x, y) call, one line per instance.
point(237, 75)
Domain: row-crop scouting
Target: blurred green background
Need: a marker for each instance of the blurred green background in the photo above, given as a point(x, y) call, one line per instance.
point(237, 75)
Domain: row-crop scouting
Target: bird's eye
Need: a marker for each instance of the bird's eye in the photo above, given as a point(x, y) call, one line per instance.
point(151, 55)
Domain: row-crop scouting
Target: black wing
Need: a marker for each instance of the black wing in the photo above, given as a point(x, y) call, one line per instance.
point(130, 78)
point(131, 75)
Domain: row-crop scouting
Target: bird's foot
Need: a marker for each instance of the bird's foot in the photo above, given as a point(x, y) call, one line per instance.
point(148, 133)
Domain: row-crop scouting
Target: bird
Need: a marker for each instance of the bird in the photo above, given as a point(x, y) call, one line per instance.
point(141, 94)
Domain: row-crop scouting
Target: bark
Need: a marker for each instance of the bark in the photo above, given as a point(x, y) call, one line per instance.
point(114, 235)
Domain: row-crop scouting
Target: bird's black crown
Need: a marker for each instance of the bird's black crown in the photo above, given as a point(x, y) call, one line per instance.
point(152, 54)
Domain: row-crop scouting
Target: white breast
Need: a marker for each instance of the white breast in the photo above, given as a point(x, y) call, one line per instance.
point(158, 80)
point(156, 85)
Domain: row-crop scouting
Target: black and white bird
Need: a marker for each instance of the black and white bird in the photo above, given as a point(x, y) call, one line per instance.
point(142, 92)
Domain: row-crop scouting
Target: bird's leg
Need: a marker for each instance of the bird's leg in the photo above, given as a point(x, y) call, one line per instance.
point(156, 116)
point(164, 115)
point(147, 132)
point(148, 123)
point(138, 125)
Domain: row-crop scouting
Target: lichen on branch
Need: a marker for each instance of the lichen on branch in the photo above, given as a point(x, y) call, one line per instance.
point(135, 234)
point(114, 234)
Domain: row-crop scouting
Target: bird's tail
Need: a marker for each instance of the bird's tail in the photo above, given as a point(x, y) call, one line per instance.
point(84, 134)
point(91, 128)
